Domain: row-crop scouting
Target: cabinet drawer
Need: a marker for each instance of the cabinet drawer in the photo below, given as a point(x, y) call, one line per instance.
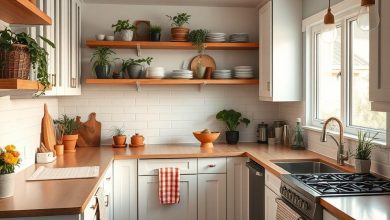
point(150, 167)
point(273, 182)
point(212, 165)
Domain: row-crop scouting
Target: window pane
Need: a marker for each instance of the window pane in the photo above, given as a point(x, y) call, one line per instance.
point(361, 115)
point(328, 77)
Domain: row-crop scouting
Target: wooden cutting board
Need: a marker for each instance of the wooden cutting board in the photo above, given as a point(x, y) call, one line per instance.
point(48, 137)
point(89, 132)
point(205, 59)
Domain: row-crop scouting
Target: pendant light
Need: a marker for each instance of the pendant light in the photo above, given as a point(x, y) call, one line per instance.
point(368, 18)
point(328, 29)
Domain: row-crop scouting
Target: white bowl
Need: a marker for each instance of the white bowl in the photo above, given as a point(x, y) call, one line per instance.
point(100, 37)
point(110, 38)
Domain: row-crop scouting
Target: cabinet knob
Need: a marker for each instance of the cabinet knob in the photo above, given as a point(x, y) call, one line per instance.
point(212, 165)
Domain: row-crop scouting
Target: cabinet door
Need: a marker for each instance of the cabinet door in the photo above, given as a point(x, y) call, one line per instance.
point(149, 206)
point(108, 187)
point(265, 52)
point(327, 216)
point(211, 196)
point(125, 189)
point(237, 188)
point(270, 204)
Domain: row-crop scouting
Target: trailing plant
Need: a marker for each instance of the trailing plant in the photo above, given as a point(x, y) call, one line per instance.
point(122, 25)
point(232, 119)
point(131, 61)
point(179, 20)
point(198, 38)
point(9, 159)
point(155, 29)
point(38, 54)
point(67, 124)
point(101, 57)
point(365, 145)
point(118, 131)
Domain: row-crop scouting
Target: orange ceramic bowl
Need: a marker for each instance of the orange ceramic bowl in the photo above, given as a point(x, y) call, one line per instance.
point(205, 139)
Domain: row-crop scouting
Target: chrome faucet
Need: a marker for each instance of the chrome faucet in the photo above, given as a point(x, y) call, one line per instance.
point(341, 156)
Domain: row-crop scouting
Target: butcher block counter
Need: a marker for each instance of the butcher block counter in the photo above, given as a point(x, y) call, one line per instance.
point(67, 197)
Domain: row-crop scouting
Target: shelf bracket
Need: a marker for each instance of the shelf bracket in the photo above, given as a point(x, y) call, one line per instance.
point(138, 50)
point(138, 86)
point(202, 86)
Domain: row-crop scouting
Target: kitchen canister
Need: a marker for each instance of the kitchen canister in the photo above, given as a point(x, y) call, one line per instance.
point(262, 133)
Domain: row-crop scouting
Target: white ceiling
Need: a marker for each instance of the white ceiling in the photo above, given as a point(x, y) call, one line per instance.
point(216, 3)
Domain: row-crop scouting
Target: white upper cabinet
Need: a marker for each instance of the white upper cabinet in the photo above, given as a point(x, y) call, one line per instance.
point(280, 54)
point(379, 60)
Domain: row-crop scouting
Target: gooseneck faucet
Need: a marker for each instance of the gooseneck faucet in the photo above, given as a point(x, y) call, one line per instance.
point(341, 156)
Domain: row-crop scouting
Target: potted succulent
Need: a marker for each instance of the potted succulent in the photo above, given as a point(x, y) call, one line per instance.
point(232, 119)
point(134, 67)
point(123, 30)
point(9, 159)
point(102, 62)
point(119, 137)
point(155, 33)
point(363, 152)
point(18, 52)
point(69, 138)
point(178, 32)
point(198, 38)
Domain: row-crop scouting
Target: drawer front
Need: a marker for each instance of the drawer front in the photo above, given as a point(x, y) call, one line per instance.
point(212, 165)
point(273, 182)
point(150, 167)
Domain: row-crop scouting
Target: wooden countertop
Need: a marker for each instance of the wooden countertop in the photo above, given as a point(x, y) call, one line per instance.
point(45, 198)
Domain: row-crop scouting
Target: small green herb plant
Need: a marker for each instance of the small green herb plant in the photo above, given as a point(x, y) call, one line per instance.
point(69, 125)
point(179, 20)
point(365, 145)
point(101, 57)
point(155, 29)
point(198, 38)
point(131, 61)
point(232, 119)
point(38, 54)
point(118, 131)
point(122, 25)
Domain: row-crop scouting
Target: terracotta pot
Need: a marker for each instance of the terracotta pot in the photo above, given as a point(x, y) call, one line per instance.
point(69, 142)
point(7, 185)
point(137, 140)
point(59, 149)
point(362, 166)
point(179, 34)
point(119, 140)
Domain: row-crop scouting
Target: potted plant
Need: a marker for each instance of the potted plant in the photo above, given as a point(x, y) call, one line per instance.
point(155, 33)
point(119, 137)
point(232, 119)
point(102, 62)
point(198, 38)
point(18, 52)
point(123, 30)
point(134, 67)
point(178, 32)
point(9, 159)
point(69, 126)
point(363, 152)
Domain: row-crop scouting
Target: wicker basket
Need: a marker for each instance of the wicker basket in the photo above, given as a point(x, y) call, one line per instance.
point(15, 63)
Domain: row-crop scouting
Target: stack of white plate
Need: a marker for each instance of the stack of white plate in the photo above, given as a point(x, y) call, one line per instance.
point(181, 74)
point(243, 72)
point(239, 37)
point(222, 74)
point(155, 73)
point(216, 37)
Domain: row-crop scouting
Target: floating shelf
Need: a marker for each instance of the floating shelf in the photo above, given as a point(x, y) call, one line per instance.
point(20, 84)
point(22, 12)
point(173, 81)
point(170, 45)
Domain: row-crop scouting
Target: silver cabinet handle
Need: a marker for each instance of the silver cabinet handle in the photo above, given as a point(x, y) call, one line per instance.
point(54, 79)
point(107, 200)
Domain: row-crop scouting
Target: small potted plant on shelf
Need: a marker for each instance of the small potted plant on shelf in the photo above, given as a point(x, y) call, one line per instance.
point(198, 39)
point(123, 30)
point(363, 152)
point(135, 68)
point(18, 52)
point(69, 126)
point(9, 159)
point(102, 62)
point(119, 137)
point(178, 32)
point(155, 33)
point(232, 119)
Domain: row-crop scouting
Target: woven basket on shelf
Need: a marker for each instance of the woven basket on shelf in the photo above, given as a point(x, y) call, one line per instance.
point(15, 63)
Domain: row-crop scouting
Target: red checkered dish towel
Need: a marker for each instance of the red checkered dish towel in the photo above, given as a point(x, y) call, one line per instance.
point(169, 185)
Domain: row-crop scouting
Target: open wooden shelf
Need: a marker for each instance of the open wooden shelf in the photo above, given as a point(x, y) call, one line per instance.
point(22, 12)
point(20, 84)
point(170, 45)
point(173, 81)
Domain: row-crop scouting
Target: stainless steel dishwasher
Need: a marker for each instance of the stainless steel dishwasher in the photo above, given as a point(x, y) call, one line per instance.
point(256, 191)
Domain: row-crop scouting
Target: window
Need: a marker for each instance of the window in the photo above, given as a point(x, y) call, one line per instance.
point(338, 75)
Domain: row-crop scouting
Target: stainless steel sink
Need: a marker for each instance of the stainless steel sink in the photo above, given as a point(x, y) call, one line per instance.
point(295, 167)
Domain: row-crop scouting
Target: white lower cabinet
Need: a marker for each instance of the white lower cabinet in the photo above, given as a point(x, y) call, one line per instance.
point(211, 196)
point(149, 207)
point(270, 204)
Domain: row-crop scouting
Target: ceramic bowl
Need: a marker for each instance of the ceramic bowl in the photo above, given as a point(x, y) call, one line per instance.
point(109, 38)
point(206, 139)
point(100, 37)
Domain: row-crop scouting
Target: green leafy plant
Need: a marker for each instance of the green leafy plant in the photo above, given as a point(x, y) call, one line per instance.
point(101, 57)
point(122, 25)
point(180, 19)
point(118, 131)
point(198, 38)
point(365, 145)
point(37, 53)
point(67, 124)
point(232, 119)
point(155, 29)
point(131, 61)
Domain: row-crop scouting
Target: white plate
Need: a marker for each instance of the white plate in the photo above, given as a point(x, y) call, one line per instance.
point(222, 71)
point(244, 67)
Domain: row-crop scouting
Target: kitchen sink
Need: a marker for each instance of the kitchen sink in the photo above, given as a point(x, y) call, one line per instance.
point(311, 166)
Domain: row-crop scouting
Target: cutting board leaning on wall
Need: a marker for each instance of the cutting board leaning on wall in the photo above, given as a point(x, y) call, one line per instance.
point(89, 132)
